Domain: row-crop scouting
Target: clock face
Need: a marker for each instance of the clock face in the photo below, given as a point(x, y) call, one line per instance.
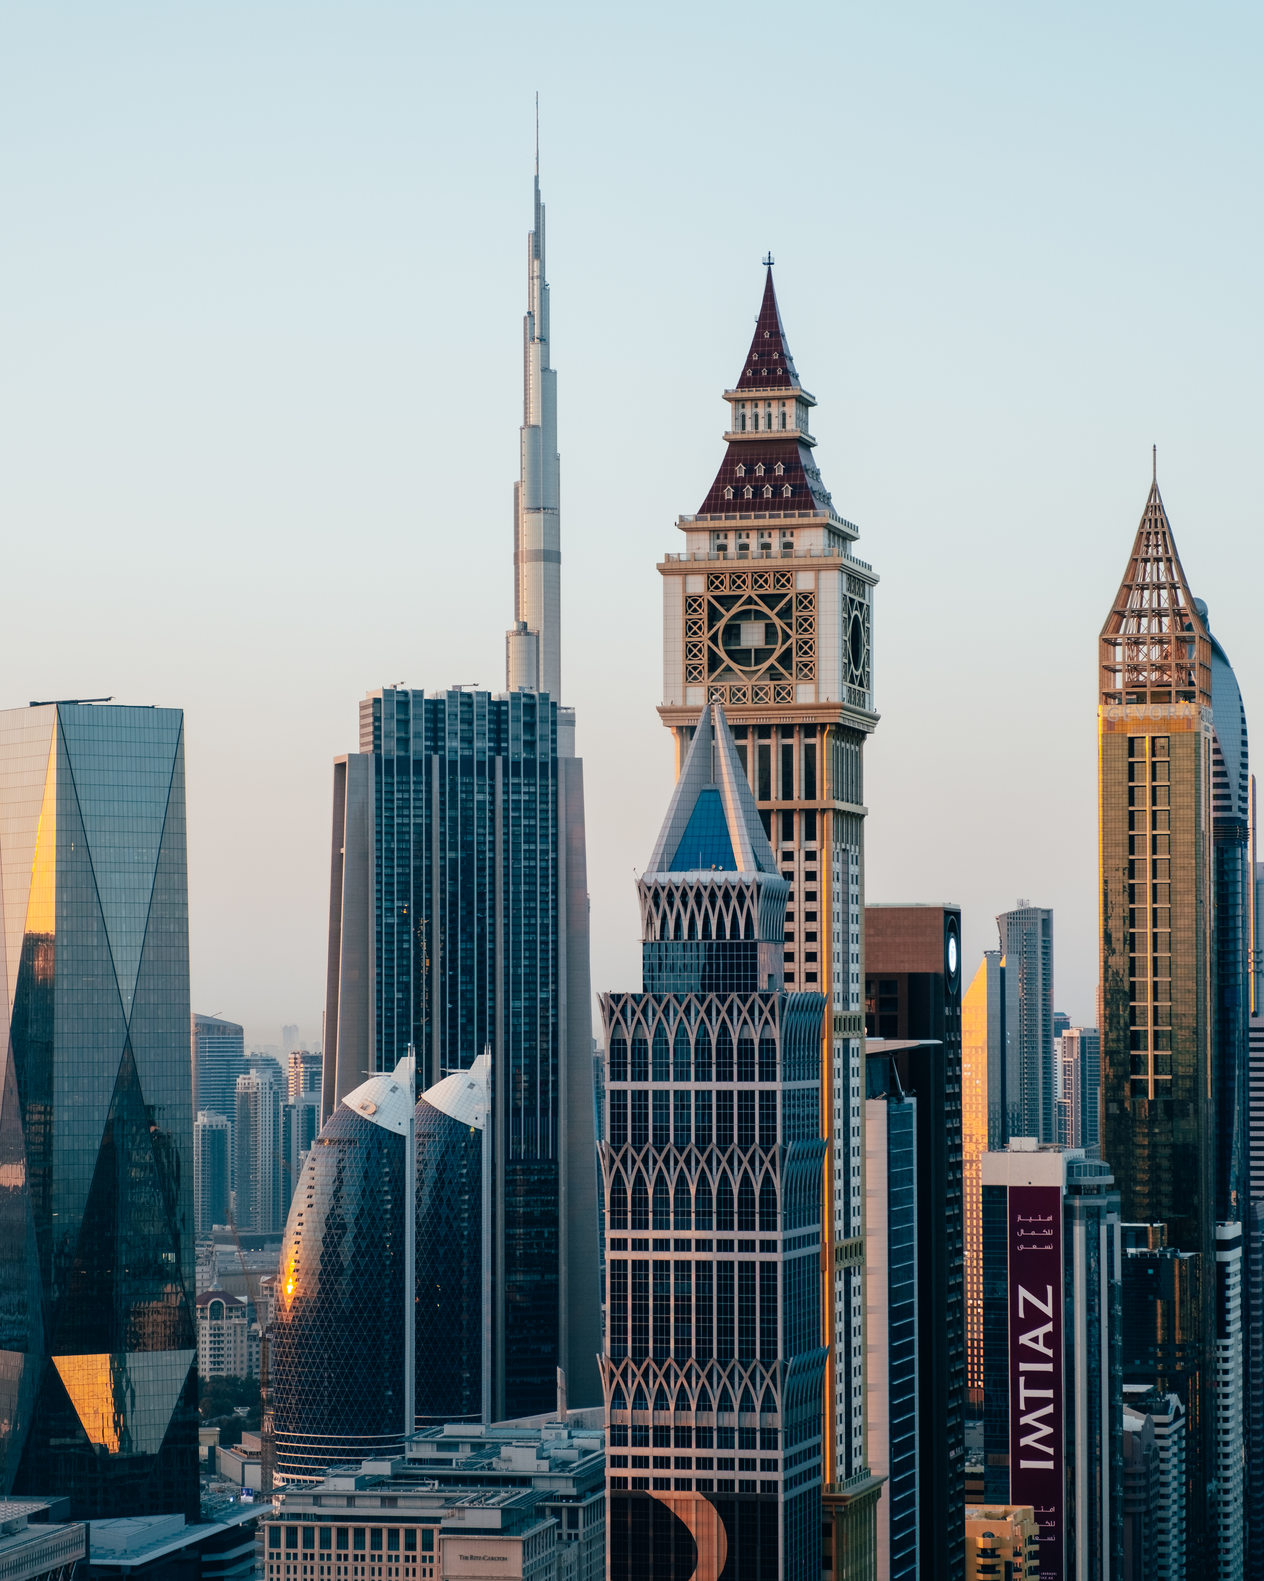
point(952, 955)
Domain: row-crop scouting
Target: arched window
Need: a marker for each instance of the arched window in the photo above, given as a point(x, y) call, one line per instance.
point(723, 1053)
point(661, 1402)
point(618, 1204)
point(618, 1400)
point(741, 422)
point(680, 1054)
point(724, 1403)
point(640, 1204)
point(662, 1205)
point(681, 1211)
point(745, 1206)
point(661, 1062)
point(724, 1205)
point(747, 1403)
point(640, 1400)
point(702, 1054)
point(702, 1204)
point(704, 1398)
point(768, 1207)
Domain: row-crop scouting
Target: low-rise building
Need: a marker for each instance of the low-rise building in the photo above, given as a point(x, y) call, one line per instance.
point(169, 1548)
point(34, 1547)
point(369, 1525)
point(1002, 1540)
point(563, 1461)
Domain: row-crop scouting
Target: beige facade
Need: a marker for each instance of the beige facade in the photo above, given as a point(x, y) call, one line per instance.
point(1002, 1540)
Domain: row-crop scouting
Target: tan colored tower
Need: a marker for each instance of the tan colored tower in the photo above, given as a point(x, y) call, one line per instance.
point(768, 611)
point(1155, 836)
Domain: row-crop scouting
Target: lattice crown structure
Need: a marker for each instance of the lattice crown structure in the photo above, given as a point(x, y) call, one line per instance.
point(1154, 645)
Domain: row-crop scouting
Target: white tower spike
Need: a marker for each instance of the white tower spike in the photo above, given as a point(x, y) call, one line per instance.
point(532, 648)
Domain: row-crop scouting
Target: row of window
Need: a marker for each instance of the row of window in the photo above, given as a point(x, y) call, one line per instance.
point(697, 1310)
point(643, 1118)
point(373, 1539)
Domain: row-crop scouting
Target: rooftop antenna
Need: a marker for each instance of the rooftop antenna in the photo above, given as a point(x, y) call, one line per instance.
point(537, 132)
point(1154, 458)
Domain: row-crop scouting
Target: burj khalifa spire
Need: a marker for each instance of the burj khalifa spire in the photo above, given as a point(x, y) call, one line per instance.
point(533, 646)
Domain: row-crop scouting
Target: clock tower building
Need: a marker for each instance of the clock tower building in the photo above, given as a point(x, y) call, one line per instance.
point(768, 611)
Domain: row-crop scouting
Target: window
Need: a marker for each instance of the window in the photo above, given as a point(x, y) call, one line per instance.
point(780, 467)
point(786, 490)
point(741, 470)
point(759, 469)
point(767, 491)
point(748, 492)
point(728, 492)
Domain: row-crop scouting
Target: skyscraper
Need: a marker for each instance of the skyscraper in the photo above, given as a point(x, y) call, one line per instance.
point(891, 1366)
point(459, 924)
point(913, 994)
point(982, 1127)
point(1052, 1365)
point(212, 1170)
point(712, 1177)
point(1027, 1071)
point(1163, 1111)
point(304, 1075)
point(97, 1386)
point(257, 1153)
point(533, 644)
point(219, 1057)
point(768, 611)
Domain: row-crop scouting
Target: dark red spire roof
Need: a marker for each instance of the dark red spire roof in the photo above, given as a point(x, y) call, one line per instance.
point(769, 365)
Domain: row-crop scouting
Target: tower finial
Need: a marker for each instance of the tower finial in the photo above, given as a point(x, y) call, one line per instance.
point(537, 131)
point(769, 261)
point(1154, 462)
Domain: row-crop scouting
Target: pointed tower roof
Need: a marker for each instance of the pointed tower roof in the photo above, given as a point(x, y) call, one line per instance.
point(712, 823)
point(1154, 645)
point(769, 365)
point(768, 466)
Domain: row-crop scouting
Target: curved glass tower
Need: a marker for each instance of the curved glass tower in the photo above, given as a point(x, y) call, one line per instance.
point(338, 1337)
point(453, 1254)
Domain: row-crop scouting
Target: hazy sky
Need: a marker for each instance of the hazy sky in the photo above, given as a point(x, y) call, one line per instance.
point(261, 286)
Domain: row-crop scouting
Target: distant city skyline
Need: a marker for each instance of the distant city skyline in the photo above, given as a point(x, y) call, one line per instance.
point(219, 319)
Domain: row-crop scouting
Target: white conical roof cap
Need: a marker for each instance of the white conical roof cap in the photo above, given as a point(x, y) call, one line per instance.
point(465, 1095)
point(386, 1098)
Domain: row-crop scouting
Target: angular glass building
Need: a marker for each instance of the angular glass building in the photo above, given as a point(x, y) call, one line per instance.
point(339, 1342)
point(712, 1173)
point(98, 1393)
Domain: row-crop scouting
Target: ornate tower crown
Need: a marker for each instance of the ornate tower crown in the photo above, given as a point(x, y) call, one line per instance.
point(1154, 645)
point(769, 466)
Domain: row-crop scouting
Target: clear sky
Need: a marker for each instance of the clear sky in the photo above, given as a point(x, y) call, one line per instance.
point(261, 286)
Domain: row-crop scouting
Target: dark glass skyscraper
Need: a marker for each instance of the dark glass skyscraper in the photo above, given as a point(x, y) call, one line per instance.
point(913, 993)
point(712, 1177)
point(98, 1396)
point(459, 924)
point(459, 873)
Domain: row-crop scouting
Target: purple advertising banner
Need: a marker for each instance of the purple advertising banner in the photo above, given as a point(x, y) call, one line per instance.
point(1036, 1472)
